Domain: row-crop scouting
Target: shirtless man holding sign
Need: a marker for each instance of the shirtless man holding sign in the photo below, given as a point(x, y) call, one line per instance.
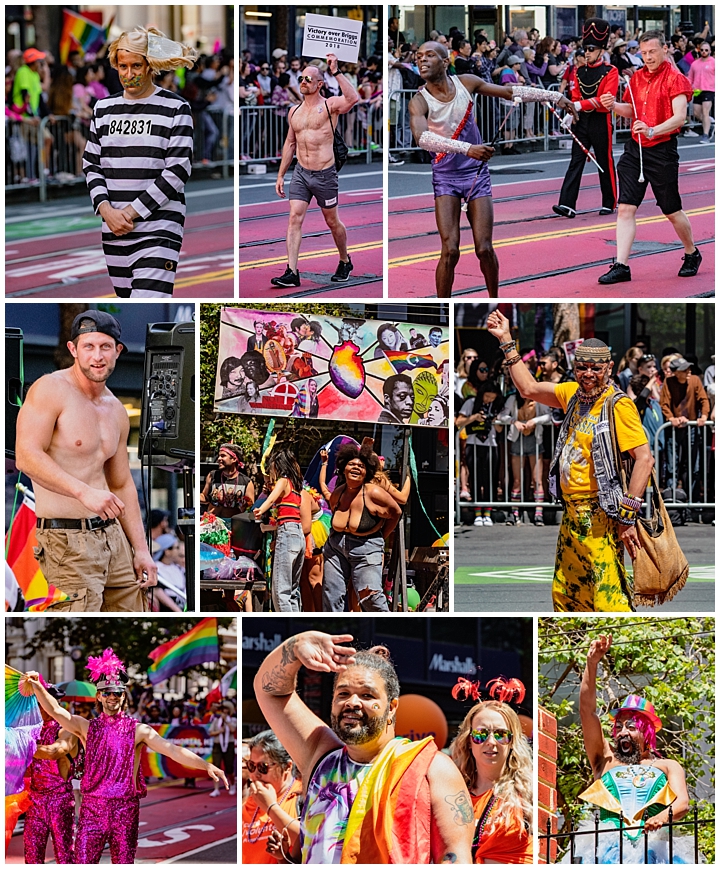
point(310, 138)
point(72, 442)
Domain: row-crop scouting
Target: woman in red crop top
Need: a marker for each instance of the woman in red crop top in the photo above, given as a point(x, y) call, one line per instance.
point(293, 523)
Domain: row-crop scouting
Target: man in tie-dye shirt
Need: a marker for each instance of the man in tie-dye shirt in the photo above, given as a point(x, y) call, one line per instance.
point(361, 779)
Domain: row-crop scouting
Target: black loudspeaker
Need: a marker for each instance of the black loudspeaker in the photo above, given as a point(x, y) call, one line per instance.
point(14, 385)
point(168, 406)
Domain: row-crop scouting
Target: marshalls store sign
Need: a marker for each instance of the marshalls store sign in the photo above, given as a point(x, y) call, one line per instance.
point(326, 35)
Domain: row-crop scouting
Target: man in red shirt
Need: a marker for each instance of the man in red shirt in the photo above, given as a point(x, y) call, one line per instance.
point(661, 94)
point(594, 127)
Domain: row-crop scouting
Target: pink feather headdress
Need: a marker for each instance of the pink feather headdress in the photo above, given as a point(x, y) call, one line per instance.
point(108, 665)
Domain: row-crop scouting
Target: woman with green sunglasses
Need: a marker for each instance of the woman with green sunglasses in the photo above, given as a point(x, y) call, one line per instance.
point(495, 759)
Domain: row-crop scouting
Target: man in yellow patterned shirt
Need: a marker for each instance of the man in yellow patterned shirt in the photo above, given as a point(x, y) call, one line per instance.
point(599, 517)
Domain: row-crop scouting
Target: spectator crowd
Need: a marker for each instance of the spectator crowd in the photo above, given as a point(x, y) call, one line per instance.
point(274, 82)
point(38, 86)
point(524, 57)
point(506, 443)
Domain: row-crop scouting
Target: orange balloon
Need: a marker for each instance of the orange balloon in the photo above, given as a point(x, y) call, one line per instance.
point(418, 717)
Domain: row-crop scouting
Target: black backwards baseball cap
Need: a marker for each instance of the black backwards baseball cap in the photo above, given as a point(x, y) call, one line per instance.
point(97, 321)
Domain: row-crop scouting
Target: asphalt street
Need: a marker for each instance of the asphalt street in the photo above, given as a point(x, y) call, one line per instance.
point(509, 569)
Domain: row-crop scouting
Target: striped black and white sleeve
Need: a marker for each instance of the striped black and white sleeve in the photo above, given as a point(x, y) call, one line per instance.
point(94, 175)
point(178, 165)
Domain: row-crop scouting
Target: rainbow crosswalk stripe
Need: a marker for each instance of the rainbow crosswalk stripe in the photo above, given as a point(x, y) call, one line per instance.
point(198, 646)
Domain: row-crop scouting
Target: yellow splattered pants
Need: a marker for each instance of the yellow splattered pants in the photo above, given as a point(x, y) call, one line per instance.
point(589, 567)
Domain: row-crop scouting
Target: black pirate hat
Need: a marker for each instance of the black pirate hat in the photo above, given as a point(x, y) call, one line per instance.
point(596, 32)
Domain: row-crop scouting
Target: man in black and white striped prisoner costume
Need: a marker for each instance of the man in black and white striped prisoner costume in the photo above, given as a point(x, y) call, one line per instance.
point(137, 160)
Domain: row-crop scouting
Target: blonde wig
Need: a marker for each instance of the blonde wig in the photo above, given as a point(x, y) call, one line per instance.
point(161, 53)
point(514, 788)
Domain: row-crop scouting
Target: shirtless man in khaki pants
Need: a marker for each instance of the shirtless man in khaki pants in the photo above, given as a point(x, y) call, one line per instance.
point(72, 442)
point(310, 136)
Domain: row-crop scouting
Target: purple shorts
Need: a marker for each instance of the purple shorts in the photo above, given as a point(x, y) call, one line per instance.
point(467, 184)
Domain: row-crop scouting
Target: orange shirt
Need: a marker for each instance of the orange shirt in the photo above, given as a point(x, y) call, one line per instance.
point(511, 844)
point(257, 826)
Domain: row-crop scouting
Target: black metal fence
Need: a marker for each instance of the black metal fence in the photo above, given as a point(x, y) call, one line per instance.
point(566, 841)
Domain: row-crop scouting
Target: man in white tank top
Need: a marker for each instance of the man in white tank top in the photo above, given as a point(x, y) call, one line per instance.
point(442, 120)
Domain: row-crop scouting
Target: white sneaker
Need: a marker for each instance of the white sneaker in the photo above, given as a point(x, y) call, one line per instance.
point(215, 793)
point(479, 521)
point(232, 791)
point(487, 520)
point(690, 134)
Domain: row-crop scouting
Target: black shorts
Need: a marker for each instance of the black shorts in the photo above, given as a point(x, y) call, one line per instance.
point(704, 97)
point(660, 169)
point(322, 184)
point(224, 759)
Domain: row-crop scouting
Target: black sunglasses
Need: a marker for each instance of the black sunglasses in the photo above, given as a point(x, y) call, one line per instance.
point(262, 768)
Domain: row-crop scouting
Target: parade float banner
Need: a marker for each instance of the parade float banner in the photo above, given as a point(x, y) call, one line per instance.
point(325, 34)
point(335, 368)
point(194, 737)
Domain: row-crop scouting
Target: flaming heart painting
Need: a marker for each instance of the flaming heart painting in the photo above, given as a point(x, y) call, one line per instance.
point(335, 368)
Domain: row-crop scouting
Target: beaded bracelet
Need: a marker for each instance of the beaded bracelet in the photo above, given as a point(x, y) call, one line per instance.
point(626, 516)
point(507, 345)
point(514, 359)
point(630, 501)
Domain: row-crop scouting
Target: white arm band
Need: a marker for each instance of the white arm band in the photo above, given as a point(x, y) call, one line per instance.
point(442, 145)
point(535, 95)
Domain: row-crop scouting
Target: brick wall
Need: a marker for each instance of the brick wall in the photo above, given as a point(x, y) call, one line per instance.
point(547, 795)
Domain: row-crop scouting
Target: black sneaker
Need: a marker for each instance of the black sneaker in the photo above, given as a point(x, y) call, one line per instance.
point(605, 211)
point(564, 210)
point(617, 275)
point(289, 279)
point(342, 272)
point(691, 264)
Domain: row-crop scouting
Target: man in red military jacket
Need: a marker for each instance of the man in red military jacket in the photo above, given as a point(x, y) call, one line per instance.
point(656, 99)
point(594, 128)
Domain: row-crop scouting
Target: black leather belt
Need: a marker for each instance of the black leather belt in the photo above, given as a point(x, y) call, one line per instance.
point(93, 524)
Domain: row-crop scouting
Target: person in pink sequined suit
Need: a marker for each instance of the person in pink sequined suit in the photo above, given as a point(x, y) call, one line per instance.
point(52, 812)
point(113, 783)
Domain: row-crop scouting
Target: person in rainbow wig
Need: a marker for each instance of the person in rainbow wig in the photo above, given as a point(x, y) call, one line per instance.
point(371, 797)
point(113, 783)
point(632, 780)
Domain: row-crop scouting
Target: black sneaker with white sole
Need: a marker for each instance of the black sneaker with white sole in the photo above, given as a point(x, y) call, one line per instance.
point(618, 274)
point(691, 264)
point(289, 279)
point(342, 272)
point(564, 210)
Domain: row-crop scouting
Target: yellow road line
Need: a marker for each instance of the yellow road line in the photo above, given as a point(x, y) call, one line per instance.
point(540, 236)
point(206, 278)
point(278, 261)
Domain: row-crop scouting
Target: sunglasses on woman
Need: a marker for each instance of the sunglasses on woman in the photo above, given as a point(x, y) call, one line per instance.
point(262, 768)
point(480, 737)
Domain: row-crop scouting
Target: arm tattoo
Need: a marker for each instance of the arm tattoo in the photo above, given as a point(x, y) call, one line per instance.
point(288, 651)
point(278, 681)
point(449, 858)
point(463, 810)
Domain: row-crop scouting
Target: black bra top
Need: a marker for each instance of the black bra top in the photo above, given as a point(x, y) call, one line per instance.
point(367, 522)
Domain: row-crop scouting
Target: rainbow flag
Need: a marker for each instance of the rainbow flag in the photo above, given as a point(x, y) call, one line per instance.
point(406, 360)
point(19, 543)
point(80, 34)
point(197, 646)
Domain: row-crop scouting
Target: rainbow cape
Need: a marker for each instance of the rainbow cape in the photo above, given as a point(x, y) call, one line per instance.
point(390, 817)
point(198, 646)
point(81, 34)
point(19, 543)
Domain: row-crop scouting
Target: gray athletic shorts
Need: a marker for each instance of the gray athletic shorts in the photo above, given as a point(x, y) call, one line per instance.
point(322, 184)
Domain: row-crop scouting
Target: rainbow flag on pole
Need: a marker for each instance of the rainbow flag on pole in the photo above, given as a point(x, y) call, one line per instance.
point(19, 543)
point(198, 646)
point(81, 34)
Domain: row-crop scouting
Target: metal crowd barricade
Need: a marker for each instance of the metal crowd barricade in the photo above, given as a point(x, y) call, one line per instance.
point(528, 122)
point(21, 154)
point(263, 130)
point(689, 446)
point(501, 475)
point(217, 126)
point(546, 839)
